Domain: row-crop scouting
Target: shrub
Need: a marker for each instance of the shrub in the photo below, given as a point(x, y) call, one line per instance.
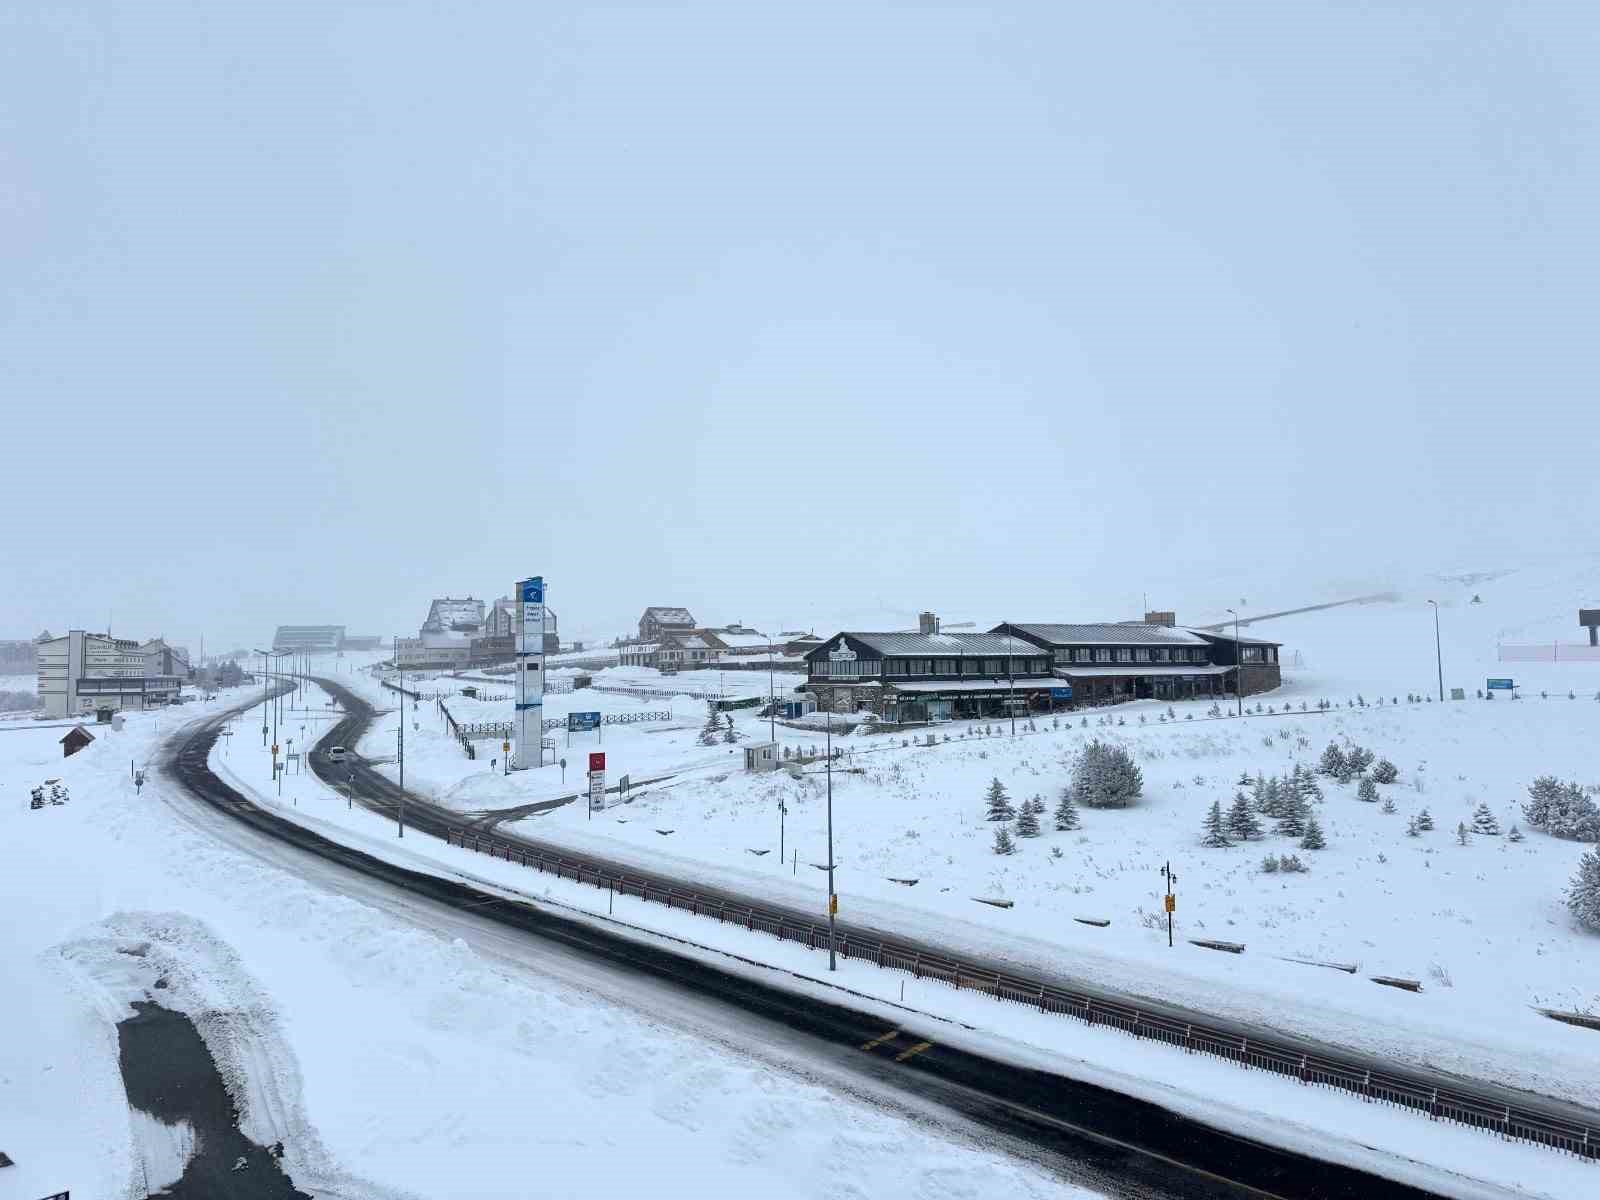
point(1106, 776)
point(1384, 771)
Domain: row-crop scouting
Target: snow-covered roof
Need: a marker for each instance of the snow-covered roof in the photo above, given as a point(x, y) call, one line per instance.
point(669, 616)
point(736, 641)
point(450, 613)
point(942, 645)
point(1111, 633)
point(688, 641)
point(1226, 635)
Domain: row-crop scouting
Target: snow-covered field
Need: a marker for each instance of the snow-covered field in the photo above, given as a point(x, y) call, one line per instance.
point(393, 1057)
point(1483, 926)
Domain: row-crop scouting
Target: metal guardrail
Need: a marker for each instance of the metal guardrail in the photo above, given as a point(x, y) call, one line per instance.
point(1459, 1105)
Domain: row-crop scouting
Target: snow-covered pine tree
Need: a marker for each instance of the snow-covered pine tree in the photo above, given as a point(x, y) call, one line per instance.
point(1002, 841)
point(1388, 804)
point(1384, 771)
point(1269, 864)
point(1515, 835)
point(1424, 820)
point(1242, 823)
point(1313, 839)
point(711, 731)
point(1367, 790)
point(1412, 828)
point(1542, 793)
point(1292, 821)
point(1243, 780)
point(1272, 797)
point(1461, 833)
point(1359, 758)
point(1066, 811)
point(1027, 821)
point(1332, 761)
point(1573, 815)
point(1483, 821)
point(999, 804)
point(1583, 893)
point(1105, 776)
point(1216, 829)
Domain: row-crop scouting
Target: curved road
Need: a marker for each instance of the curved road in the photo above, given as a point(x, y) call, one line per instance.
point(1092, 1135)
point(381, 794)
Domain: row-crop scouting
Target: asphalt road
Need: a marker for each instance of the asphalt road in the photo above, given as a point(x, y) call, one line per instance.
point(1090, 1135)
point(381, 794)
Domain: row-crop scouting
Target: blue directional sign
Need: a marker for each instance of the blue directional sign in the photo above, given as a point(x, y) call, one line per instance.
point(1501, 685)
point(533, 590)
point(1061, 693)
point(581, 722)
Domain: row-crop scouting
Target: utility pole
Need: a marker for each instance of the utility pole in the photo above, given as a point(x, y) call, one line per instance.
point(1172, 900)
point(1438, 655)
point(1238, 665)
point(400, 805)
point(783, 811)
point(833, 896)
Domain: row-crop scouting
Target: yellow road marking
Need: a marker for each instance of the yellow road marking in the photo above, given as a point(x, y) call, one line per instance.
point(915, 1050)
point(878, 1041)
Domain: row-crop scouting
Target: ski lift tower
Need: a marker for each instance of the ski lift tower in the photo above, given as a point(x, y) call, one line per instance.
point(530, 673)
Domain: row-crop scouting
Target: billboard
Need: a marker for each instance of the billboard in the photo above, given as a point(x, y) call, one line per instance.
point(1500, 685)
point(582, 722)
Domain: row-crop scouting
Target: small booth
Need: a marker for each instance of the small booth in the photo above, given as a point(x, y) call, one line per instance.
point(762, 756)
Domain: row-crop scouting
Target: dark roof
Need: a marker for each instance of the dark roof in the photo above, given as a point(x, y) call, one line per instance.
point(940, 645)
point(79, 733)
point(669, 616)
point(1227, 636)
point(1109, 633)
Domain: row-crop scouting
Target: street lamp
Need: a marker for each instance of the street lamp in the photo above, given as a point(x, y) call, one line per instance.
point(1438, 655)
point(833, 897)
point(1238, 663)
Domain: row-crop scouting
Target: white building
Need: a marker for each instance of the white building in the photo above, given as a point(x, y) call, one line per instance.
point(82, 672)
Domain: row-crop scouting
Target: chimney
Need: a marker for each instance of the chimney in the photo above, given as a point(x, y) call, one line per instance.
point(1169, 619)
point(927, 623)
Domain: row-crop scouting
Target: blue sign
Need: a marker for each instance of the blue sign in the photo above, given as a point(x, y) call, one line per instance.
point(1061, 693)
point(1501, 685)
point(533, 590)
point(581, 722)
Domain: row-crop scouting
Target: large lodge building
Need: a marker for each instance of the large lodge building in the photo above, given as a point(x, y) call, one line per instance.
point(935, 676)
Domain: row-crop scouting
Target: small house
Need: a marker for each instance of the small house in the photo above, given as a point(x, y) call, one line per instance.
point(762, 756)
point(77, 738)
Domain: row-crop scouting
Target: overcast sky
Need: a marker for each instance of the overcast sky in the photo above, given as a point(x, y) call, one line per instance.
point(312, 312)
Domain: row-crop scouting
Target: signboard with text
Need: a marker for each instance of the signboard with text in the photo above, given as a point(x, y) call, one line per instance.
point(1061, 693)
point(530, 672)
point(1500, 685)
point(597, 789)
point(580, 722)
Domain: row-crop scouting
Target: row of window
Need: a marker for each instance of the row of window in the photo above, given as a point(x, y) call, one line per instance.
point(1133, 654)
point(990, 667)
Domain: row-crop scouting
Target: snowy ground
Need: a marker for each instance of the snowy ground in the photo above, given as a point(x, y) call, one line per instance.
point(393, 1056)
point(1482, 926)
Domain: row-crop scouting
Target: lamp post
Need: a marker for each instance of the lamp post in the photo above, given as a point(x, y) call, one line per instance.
point(1238, 663)
point(1011, 687)
point(1438, 655)
point(833, 897)
point(263, 654)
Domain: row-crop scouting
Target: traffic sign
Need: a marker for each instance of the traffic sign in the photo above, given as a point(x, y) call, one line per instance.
point(1500, 685)
point(1172, 903)
point(1061, 693)
point(506, 746)
point(580, 722)
point(597, 760)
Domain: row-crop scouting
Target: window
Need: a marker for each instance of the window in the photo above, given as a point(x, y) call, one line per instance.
point(894, 666)
point(1162, 654)
point(945, 666)
point(1180, 655)
point(1252, 654)
point(846, 669)
point(1272, 654)
point(969, 666)
point(1103, 654)
point(1062, 656)
point(1081, 654)
point(1141, 655)
point(1124, 654)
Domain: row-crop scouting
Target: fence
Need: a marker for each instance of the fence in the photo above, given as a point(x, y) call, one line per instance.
point(1550, 652)
point(1440, 1103)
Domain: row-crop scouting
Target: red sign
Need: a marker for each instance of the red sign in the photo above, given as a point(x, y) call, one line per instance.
point(597, 761)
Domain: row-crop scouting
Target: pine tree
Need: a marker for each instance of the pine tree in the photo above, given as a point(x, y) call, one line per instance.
point(1483, 821)
point(1412, 828)
point(1543, 793)
point(1216, 832)
point(1367, 790)
point(1359, 759)
point(1292, 821)
point(1028, 821)
point(1332, 761)
point(1272, 798)
point(711, 731)
point(1515, 835)
point(1583, 893)
point(1002, 841)
point(1066, 811)
point(1388, 804)
point(1242, 823)
point(1384, 771)
point(1105, 777)
point(1461, 833)
point(1313, 839)
point(1424, 820)
point(1269, 864)
point(1243, 780)
point(999, 803)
